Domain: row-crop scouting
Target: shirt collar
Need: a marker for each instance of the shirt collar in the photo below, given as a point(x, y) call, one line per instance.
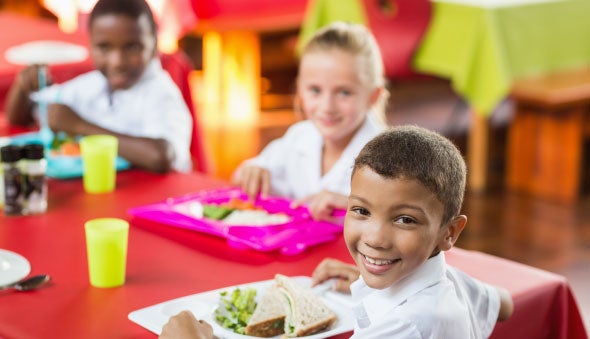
point(315, 138)
point(151, 70)
point(311, 140)
point(372, 300)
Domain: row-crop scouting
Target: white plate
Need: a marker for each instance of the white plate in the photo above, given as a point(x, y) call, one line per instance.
point(202, 305)
point(13, 267)
point(46, 52)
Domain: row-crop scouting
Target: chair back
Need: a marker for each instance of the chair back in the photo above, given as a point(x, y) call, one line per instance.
point(179, 66)
point(398, 27)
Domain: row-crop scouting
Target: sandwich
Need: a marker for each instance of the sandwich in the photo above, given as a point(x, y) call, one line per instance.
point(268, 318)
point(289, 308)
point(305, 314)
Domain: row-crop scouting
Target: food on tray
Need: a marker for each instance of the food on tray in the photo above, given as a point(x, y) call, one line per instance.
point(287, 307)
point(216, 212)
point(65, 146)
point(235, 309)
point(239, 204)
point(255, 218)
point(234, 212)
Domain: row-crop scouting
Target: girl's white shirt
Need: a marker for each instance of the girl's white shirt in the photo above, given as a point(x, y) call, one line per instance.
point(295, 160)
point(151, 108)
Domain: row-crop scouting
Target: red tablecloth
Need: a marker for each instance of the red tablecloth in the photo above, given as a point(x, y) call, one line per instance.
point(17, 29)
point(253, 15)
point(166, 263)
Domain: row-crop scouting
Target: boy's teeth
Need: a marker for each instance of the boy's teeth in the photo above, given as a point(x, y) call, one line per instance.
point(378, 261)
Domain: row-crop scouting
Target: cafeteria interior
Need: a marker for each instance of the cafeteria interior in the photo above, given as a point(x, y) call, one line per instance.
point(524, 222)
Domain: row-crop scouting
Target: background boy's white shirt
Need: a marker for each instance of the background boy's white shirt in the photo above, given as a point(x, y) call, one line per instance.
point(295, 159)
point(152, 108)
point(436, 301)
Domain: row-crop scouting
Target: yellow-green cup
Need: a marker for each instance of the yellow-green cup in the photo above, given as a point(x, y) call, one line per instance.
point(106, 245)
point(99, 154)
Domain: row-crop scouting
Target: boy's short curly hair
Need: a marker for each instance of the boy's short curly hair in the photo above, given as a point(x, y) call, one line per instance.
point(131, 8)
point(411, 152)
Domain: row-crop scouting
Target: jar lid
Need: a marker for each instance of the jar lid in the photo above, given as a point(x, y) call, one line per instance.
point(34, 151)
point(11, 153)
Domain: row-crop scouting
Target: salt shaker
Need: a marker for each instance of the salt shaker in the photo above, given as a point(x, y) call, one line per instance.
point(35, 182)
point(13, 185)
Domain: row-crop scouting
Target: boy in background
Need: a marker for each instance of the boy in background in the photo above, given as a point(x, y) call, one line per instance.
point(129, 95)
point(403, 212)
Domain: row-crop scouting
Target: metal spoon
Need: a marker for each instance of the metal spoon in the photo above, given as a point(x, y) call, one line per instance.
point(28, 284)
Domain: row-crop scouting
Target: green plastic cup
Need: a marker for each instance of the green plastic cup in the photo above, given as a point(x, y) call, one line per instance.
point(99, 154)
point(106, 245)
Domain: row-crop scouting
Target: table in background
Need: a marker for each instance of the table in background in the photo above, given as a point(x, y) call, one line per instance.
point(166, 263)
point(17, 29)
point(483, 45)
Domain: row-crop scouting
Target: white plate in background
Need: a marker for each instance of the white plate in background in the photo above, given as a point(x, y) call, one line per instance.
point(202, 305)
point(13, 267)
point(46, 52)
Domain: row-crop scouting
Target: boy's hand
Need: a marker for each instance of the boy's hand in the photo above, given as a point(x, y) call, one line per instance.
point(28, 78)
point(63, 118)
point(253, 180)
point(329, 268)
point(322, 204)
point(184, 325)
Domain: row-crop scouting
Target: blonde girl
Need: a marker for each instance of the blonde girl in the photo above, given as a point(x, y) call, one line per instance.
point(341, 93)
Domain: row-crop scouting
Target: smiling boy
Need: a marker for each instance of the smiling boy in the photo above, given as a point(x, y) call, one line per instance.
point(403, 212)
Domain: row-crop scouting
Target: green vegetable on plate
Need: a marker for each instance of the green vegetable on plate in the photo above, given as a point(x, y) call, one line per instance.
point(235, 309)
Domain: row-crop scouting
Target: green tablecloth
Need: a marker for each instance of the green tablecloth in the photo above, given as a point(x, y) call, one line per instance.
point(482, 50)
point(320, 13)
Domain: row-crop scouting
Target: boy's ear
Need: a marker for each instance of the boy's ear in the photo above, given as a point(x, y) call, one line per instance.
point(451, 232)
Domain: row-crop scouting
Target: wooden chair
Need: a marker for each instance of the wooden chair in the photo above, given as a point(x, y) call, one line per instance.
point(179, 66)
point(546, 137)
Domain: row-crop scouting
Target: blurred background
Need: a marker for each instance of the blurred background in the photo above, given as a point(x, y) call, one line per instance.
point(508, 81)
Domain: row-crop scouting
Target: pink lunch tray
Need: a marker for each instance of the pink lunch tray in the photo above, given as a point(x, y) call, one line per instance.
point(292, 237)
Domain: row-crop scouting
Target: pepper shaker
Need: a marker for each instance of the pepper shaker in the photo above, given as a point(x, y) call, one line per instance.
point(13, 188)
point(34, 179)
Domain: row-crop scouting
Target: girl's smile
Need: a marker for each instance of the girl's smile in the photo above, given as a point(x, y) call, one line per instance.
point(334, 96)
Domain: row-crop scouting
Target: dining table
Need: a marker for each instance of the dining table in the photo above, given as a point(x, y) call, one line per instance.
point(165, 263)
point(483, 46)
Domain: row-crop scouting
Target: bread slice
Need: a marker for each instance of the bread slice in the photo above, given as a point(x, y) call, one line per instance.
point(306, 314)
point(269, 316)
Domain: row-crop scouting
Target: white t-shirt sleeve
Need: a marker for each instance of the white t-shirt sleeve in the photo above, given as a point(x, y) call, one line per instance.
point(273, 158)
point(152, 108)
point(170, 119)
point(483, 299)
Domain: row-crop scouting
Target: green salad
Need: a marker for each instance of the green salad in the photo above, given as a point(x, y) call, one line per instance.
point(235, 309)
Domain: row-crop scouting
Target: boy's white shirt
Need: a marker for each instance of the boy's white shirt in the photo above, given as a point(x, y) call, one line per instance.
point(295, 160)
point(152, 108)
point(436, 301)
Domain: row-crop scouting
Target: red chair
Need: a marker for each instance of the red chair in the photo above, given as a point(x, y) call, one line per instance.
point(398, 27)
point(179, 66)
